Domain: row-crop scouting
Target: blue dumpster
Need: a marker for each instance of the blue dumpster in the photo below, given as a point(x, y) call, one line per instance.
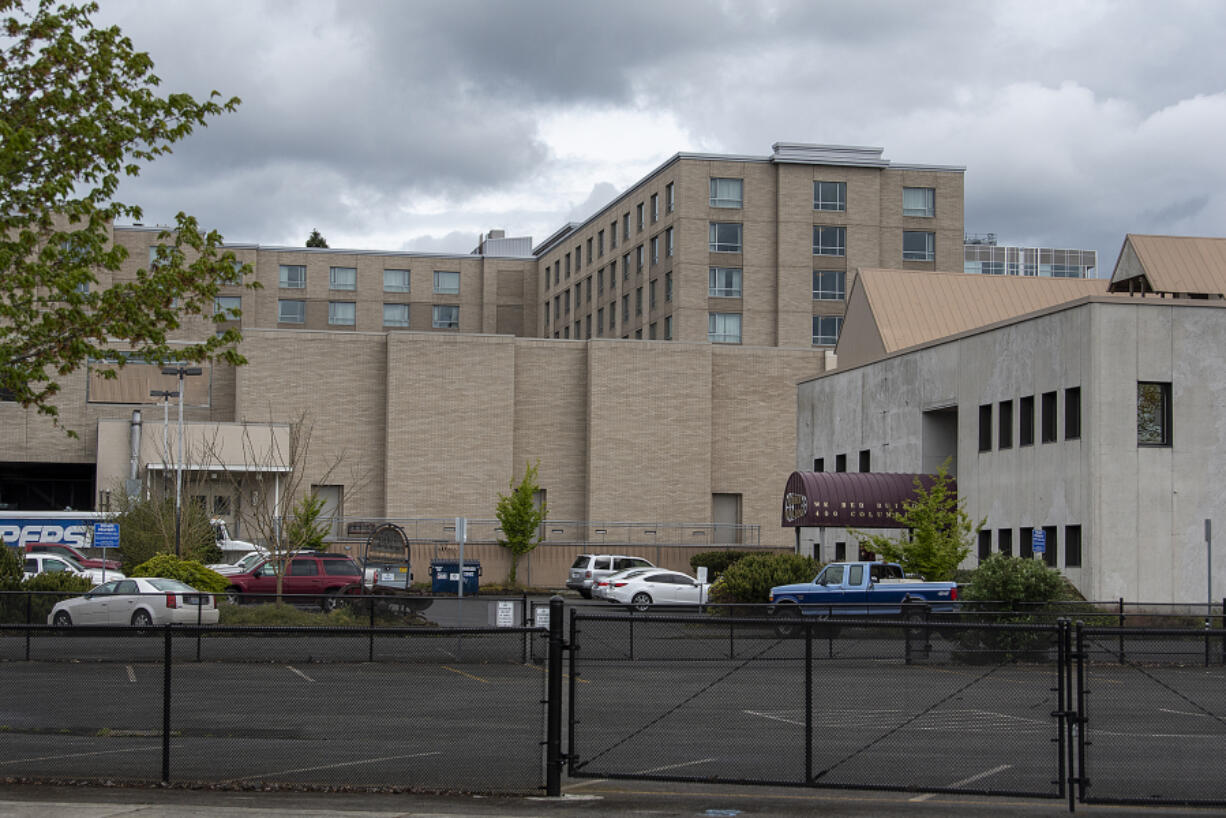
point(445, 577)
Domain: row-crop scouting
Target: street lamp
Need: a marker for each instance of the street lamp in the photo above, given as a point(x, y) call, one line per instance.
point(181, 371)
point(165, 395)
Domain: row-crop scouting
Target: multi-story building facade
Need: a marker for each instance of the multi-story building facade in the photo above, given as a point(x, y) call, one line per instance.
point(758, 250)
point(983, 255)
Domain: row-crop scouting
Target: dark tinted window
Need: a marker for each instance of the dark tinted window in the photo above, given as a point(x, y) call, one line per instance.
point(1004, 540)
point(1025, 421)
point(342, 568)
point(1072, 546)
point(303, 568)
point(1005, 424)
point(580, 561)
point(1049, 417)
point(985, 543)
point(1072, 413)
point(985, 427)
point(1025, 542)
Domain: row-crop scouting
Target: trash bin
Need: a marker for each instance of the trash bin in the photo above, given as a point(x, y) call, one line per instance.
point(445, 577)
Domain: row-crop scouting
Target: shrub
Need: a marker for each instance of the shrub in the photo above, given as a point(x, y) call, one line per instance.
point(147, 528)
point(1014, 591)
point(750, 579)
point(717, 562)
point(193, 573)
point(63, 585)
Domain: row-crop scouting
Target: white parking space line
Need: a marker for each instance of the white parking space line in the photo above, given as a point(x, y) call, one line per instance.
point(587, 783)
point(675, 766)
point(293, 669)
point(141, 749)
point(1185, 713)
point(131, 674)
point(966, 781)
point(331, 766)
point(773, 718)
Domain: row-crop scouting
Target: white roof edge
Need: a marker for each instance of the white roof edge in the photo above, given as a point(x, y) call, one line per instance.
point(934, 168)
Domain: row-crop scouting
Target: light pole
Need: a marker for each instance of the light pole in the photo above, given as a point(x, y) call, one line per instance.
point(165, 395)
point(180, 371)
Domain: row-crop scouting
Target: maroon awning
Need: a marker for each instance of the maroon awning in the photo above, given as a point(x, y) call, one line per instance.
point(850, 499)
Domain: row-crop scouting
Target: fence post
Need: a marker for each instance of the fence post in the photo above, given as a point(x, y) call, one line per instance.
point(1064, 731)
point(1082, 779)
point(166, 705)
point(29, 614)
point(573, 644)
point(1120, 655)
point(523, 623)
point(808, 701)
point(553, 719)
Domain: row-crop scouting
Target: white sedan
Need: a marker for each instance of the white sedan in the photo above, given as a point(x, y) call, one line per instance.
point(38, 562)
point(141, 601)
point(659, 587)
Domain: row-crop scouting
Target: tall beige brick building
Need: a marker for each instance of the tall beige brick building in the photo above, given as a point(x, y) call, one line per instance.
point(647, 357)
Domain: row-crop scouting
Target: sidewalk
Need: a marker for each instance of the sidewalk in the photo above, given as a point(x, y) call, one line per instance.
point(587, 798)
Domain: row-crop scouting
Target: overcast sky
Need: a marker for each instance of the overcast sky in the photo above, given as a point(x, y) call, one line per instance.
point(417, 125)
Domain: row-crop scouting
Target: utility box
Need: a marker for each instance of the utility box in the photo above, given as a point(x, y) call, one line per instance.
point(445, 577)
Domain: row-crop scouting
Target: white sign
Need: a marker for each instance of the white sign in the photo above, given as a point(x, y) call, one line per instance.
point(541, 615)
point(505, 616)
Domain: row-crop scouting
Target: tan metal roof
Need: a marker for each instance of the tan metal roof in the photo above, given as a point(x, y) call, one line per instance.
point(1173, 264)
point(912, 307)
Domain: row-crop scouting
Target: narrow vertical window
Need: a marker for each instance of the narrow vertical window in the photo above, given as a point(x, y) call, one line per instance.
point(1025, 421)
point(985, 427)
point(1072, 413)
point(1072, 546)
point(1005, 425)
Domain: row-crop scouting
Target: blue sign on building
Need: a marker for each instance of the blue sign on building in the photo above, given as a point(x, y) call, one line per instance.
point(106, 535)
point(1038, 541)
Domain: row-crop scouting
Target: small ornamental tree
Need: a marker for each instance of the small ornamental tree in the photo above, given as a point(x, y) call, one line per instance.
point(521, 517)
point(305, 531)
point(942, 533)
point(316, 239)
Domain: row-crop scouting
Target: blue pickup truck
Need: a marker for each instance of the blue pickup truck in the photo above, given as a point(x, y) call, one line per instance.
point(863, 589)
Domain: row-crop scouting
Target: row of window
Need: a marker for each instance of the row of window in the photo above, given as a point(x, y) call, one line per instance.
point(563, 263)
point(663, 242)
point(1026, 544)
point(294, 277)
point(1025, 428)
point(562, 301)
point(344, 314)
point(828, 196)
point(583, 327)
point(728, 237)
point(725, 328)
point(840, 462)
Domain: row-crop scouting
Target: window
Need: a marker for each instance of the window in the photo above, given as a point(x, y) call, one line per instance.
point(829, 241)
point(291, 312)
point(228, 306)
point(341, 313)
point(1072, 413)
point(568, 265)
point(651, 333)
point(342, 278)
point(1072, 546)
point(1025, 543)
point(670, 198)
point(655, 249)
point(655, 207)
point(668, 287)
point(1004, 541)
point(1051, 548)
point(587, 326)
point(600, 322)
point(985, 544)
point(303, 568)
point(1153, 414)
point(600, 281)
point(600, 243)
point(397, 315)
point(448, 283)
point(639, 256)
point(638, 211)
point(668, 328)
point(1005, 425)
point(546, 314)
point(625, 227)
point(830, 196)
point(865, 456)
point(153, 253)
point(589, 251)
point(826, 329)
point(726, 192)
point(724, 282)
point(578, 257)
point(566, 302)
point(724, 237)
point(668, 242)
point(724, 327)
point(819, 464)
point(557, 306)
point(918, 245)
point(613, 316)
point(587, 289)
point(395, 281)
point(985, 427)
point(829, 285)
point(840, 462)
point(638, 300)
point(1025, 421)
point(919, 201)
point(625, 308)
point(840, 550)
point(1048, 418)
point(613, 234)
point(626, 267)
point(293, 276)
point(651, 297)
point(446, 316)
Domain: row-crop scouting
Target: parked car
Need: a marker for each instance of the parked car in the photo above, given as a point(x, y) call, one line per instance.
point(588, 568)
point(244, 562)
point(37, 563)
point(660, 587)
point(140, 601)
point(72, 553)
point(600, 588)
point(320, 576)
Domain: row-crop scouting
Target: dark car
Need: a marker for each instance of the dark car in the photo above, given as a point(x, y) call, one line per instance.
point(72, 554)
point(321, 577)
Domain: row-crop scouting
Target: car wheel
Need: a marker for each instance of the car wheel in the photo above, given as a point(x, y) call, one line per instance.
point(142, 619)
point(233, 595)
point(62, 618)
point(331, 602)
point(787, 622)
point(641, 601)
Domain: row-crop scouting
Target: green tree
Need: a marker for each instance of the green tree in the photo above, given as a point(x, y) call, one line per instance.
point(316, 239)
point(305, 529)
point(147, 528)
point(941, 532)
point(749, 580)
point(521, 517)
point(192, 572)
point(80, 111)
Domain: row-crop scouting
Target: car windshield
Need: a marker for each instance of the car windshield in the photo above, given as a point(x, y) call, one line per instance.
point(76, 566)
point(171, 585)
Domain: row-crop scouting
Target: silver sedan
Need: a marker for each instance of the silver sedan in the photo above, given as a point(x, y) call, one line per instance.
point(141, 601)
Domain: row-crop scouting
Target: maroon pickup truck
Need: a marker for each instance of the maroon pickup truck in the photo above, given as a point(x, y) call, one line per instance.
point(71, 553)
point(320, 577)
